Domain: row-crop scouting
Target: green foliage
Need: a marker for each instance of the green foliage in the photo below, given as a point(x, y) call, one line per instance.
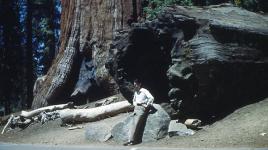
point(237, 2)
point(252, 5)
point(156, 6)
point(249, 4)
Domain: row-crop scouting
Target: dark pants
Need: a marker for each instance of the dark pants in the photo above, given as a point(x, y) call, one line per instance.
point(138, 122)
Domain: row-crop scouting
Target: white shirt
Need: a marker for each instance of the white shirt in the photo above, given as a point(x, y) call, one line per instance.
point(143, 97)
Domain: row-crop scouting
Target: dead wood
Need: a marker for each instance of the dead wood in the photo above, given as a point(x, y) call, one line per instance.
point(67, 114)
point(8, 124)
point(36, 112)
point(93, 114)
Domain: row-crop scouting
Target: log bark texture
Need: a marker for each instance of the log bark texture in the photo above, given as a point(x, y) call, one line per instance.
point(93, 114)
point(206, 61)
point(60, 74)
point(87, 29)
point(67, 113)
point(30, 114)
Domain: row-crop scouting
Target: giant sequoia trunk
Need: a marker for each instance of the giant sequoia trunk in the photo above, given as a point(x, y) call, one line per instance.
point(62, 71)
point(87, 29)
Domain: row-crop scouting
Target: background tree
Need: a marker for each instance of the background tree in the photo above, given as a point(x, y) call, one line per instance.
point(11, 56)
point(29, 53)
point(29, 31)
point(44, 42)
point(88, 28)
point(154, 7)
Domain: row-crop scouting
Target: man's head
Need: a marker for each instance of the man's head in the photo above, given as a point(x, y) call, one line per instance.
point(137, 85)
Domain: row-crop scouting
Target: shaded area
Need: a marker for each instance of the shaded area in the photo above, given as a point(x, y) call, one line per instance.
point(210, 61)
point(144, 58)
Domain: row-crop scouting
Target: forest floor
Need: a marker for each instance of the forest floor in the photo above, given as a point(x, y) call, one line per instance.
point(245, 127)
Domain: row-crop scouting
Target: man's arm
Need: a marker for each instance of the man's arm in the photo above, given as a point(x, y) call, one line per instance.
point(134, 100)
point(150, 98)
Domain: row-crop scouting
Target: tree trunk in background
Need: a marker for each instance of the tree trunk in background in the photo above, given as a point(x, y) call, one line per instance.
point(87, 30)
point(51, 45)
point(29, 54)
point(11, 56)
point(61, 71)
point(5, 82)
point(43, 31)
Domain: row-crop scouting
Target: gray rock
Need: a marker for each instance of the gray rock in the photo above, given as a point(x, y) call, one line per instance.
point(101, 130)
point(121, 130)
point(174, 93)
point(98, 132)
point(178, 129)
point(156, 126)
point(170, 110)
point(192, 123)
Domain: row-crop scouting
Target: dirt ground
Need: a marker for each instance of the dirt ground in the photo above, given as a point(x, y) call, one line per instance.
point(246, 127)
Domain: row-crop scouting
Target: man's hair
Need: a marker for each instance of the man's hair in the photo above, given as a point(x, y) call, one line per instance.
point(137, 81)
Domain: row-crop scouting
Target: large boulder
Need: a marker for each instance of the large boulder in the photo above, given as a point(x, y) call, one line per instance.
point(214, 56)
point(98, 132)
point(156, 126)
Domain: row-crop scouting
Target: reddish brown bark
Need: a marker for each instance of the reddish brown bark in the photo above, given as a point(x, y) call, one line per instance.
point(87, 27)
point(59, 75)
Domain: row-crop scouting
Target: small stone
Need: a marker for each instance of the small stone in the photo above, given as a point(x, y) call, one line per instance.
point(77, 127)
point(178, 129)
point(263, 134)
point(192, 123)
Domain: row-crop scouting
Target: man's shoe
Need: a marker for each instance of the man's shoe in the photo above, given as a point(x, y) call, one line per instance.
point(129, 143)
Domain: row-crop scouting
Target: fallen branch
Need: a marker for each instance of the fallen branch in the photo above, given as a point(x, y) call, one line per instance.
point(66, 114)
point(22, 122)
point(107, 101)
point(8, 123)
point(36, 112)
point(93, 114)
point(77, 127)
point(42, 114)
point(46, 116)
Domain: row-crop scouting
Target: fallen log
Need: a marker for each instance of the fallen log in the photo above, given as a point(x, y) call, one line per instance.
point(67, 114)
point(93, 114)
point(17, 121)
point(30, 114)
point(27, 117)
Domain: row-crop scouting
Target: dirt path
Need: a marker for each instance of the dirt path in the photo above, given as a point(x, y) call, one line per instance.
point(242, 128)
